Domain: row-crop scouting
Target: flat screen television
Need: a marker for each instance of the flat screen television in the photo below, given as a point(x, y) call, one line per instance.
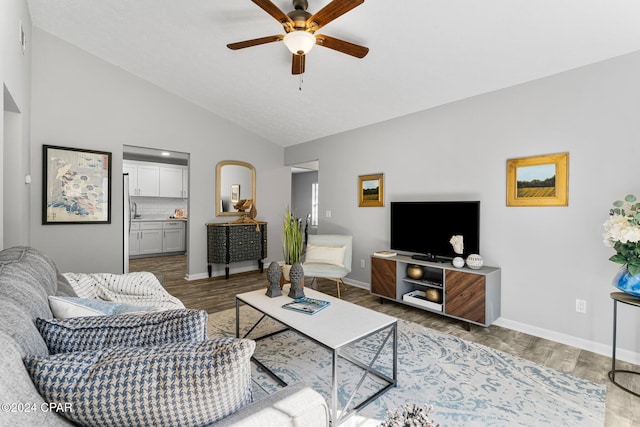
point(425, 228)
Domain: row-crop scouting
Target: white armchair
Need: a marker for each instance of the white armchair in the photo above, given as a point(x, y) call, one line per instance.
point(328, 256)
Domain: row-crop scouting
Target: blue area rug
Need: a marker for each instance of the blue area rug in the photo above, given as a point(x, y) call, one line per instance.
point(467, 384)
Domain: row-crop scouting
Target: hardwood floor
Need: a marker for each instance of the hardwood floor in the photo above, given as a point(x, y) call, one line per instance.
point(217, 294)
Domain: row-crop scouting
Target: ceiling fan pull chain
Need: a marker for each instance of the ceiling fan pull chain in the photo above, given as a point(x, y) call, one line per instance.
point(301, 81)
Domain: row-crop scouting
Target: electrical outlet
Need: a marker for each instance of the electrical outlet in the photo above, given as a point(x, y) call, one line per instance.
point(327, 213)
point(581, 306)
point(361, 263)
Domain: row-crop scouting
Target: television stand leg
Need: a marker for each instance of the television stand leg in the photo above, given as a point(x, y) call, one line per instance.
point(467, 326)
point(381, 300)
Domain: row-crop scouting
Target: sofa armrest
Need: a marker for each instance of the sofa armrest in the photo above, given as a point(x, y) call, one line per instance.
point(294, 405)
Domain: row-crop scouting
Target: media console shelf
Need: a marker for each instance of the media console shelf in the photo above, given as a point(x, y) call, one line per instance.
point(470, 295)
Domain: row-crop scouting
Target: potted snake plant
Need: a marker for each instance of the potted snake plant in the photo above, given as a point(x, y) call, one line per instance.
point(292, 233)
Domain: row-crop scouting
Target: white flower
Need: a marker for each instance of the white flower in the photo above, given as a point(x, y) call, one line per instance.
point(619, 229)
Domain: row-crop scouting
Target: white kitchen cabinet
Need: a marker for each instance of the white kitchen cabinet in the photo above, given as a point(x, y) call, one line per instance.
point(134, 239)
point(156, 237)
point(148, 179)
point(144, 178)
point(171, 181)
point(173, 236)
point(185, 182)
point(147, 239)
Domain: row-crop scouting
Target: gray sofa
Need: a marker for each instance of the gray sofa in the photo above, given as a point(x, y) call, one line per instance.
point(27, 278)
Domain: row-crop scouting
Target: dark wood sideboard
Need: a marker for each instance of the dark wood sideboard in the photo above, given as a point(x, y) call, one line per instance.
point(235, 242)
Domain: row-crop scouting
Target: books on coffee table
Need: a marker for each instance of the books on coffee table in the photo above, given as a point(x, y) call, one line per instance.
point(306, 305)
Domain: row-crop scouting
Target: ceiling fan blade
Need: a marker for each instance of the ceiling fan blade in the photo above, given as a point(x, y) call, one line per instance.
point(297, 64)
point(330, 12)
point(255, 42)
point(342, 46)
point(278, 14)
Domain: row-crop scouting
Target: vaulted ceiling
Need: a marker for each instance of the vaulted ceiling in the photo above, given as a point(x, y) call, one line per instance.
point(423, 53)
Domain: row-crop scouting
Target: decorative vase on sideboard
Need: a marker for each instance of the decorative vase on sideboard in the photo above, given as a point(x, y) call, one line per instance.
point(624, 281)
point(415, 272)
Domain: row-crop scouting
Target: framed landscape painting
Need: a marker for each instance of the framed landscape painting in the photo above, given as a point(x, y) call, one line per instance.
point(371, 190)
point(76, 187)
point(538, 181)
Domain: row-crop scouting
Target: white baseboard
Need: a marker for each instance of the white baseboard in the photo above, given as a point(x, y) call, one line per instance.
point(220, 273)
point(603, 349)
point(357, 284)
point(196, 276)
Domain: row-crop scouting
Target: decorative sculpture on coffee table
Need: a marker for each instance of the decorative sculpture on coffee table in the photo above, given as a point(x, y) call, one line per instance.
point(273, 275)
point(296, 275)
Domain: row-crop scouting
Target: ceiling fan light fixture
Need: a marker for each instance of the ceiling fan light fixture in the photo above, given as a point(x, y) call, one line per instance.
point(299, 42)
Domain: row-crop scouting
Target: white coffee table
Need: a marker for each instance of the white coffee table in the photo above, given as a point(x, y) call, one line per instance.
point(336, 326)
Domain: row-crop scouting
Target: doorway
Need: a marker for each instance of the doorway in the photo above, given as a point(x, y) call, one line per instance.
point(156, 211)
point(305, 194)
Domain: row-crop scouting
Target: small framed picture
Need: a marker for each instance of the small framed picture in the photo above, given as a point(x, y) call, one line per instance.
point(76, 187)
point(538, 181)
point(235, 193)
point(371, 190)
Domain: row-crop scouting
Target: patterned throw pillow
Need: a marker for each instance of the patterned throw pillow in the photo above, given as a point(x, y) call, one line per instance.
point(65, 307)
point(325, 255)
point(94, 333)
point(182, 384)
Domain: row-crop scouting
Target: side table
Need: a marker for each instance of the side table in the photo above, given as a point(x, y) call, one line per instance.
point(630, 300)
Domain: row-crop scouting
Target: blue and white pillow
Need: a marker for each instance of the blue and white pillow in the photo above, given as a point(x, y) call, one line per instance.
point(183, 384)
point(94, 333)
point(66, 307)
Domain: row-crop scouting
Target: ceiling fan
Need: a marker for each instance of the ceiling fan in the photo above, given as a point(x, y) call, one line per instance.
point(300, 26)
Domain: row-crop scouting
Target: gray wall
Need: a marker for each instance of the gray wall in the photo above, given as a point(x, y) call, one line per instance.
point(81, 101)
point(549, 256)
point(15, 69)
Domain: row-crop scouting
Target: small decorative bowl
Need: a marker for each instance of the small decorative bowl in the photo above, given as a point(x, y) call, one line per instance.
point(458, 262)
point(475, 261)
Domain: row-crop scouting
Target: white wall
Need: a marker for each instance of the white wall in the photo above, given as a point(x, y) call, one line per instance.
point(81, 101)
point(15, 66)
point(549, 255)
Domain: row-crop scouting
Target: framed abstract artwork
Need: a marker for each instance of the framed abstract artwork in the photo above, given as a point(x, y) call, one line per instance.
point(538, 181)
point(371, 190)
point(76, 186)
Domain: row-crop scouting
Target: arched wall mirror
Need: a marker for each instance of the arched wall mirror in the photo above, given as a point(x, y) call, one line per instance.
point(235, 181)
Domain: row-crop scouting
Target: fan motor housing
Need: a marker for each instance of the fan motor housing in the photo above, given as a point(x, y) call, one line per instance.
point(300, 4)
point(300, 15)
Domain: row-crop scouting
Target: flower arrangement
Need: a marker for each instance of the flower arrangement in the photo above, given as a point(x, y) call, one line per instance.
point(410, 416)
point(622, 232)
